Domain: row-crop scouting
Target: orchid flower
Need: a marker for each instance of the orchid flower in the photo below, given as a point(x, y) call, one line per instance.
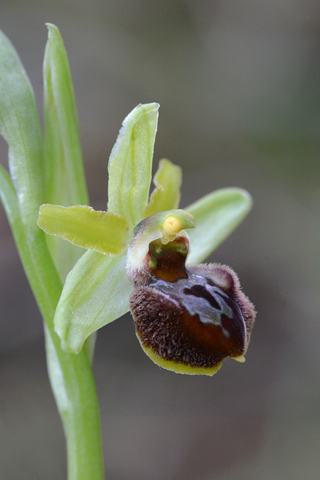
point(97, 291)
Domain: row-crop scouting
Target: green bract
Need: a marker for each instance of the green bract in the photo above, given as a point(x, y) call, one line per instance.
point(65, 182)
point(97, 290)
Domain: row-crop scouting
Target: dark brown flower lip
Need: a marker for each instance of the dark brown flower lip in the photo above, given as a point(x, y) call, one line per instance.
point(167, 329)
point(188, 319)
point(192, 322)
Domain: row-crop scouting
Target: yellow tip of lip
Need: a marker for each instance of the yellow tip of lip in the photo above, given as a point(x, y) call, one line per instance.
point(240, 359)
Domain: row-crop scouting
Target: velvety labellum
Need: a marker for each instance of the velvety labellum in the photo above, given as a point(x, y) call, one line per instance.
point(189, 319)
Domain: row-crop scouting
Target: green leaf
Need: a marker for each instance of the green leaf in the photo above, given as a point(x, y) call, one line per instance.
point(11, 206)
point(96, 292)
point(65, 178)
point(9, 198)
point(85, 227)
point(131, 162)
point(32, 249)
point(166, 195)
point(216, 216)
point(20, 126)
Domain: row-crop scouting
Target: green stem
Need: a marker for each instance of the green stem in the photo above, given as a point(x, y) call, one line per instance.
point(70, 375)
point(79, 411)
point(74, 389)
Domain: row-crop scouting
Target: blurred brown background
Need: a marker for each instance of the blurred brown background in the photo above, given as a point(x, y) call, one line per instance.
point(239, 88)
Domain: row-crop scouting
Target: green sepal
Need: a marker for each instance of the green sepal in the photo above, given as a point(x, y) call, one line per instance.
point(96, 292)
point(20, 127)
point(65, 179)
point(85, 227)
point(216, 216)
point(166, 195)
point(130, 163)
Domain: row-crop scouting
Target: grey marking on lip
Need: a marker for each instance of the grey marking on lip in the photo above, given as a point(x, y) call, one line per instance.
point(199, 298)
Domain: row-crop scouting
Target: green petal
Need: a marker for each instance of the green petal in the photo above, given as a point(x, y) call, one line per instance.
point(96, 292)
point(216, 216)
point(20, 126)
point(131, 162)
point(65, 179)
point(166, 195)
point(85, 227)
